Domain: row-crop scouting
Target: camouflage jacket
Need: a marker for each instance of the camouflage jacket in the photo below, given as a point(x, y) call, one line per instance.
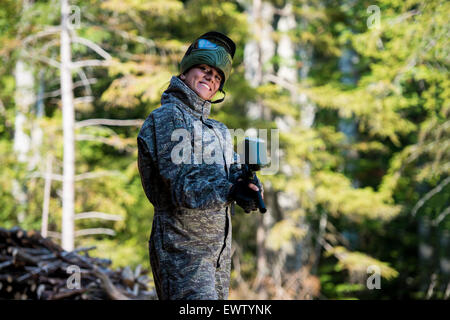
point(188, 182)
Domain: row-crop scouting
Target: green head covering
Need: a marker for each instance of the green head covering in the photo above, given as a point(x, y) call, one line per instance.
point(214, 49)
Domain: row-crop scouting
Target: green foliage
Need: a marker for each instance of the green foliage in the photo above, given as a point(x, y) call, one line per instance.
point(376, 185)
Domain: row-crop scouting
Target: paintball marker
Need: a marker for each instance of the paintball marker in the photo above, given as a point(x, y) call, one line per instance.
point(253, 159)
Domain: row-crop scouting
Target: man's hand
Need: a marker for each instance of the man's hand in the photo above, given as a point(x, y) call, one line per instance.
point(255, 188)
point(244, 195)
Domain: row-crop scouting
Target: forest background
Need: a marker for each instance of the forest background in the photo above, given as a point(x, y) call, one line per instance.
point(359, 92)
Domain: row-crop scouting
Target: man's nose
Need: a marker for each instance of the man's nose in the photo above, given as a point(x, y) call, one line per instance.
point(208, 75)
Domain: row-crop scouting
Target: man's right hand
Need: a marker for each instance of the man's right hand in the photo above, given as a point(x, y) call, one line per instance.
point(245, 195)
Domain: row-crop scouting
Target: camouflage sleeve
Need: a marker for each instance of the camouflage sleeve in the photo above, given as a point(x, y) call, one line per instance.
point(235, 168)
point(194, 186)
point(146, 162)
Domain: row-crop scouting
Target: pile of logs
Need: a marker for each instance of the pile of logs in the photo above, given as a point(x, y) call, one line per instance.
point(33, 267)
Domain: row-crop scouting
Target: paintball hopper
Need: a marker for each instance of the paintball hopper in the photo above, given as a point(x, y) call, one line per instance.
point(253, 152)
point(253, 157)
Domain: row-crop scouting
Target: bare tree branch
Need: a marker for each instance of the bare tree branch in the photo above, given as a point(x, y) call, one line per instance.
point(402, 17)
point(86, 99)
point(85, 81)
point(46, 32)
point(49, 61)
point(53, 234)
point(109, 287)
point(79, 177)
point(441, 216)
point(127, 36)
point(77, 84)
point(94, 175)
point(109, 122)
point(52, 176)
point(98, 215)
point(49, 44)
point(430, 194)
point(281, 82)
point(90, 63)
point(95, 47)
point(115, 141)
point(432, 286)
point(93, 231)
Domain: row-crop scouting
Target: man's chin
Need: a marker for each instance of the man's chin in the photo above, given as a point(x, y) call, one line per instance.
point(204, 97)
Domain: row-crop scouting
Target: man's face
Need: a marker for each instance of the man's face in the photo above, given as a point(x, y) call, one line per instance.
point(204, 80)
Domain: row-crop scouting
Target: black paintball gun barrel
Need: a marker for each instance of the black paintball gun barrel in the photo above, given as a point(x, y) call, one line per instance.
point(253, 158)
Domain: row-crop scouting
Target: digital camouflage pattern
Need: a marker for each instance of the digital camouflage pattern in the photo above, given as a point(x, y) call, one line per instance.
point(190, 242)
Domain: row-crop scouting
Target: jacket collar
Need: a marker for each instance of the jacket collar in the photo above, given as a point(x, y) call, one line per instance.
point(180, 94)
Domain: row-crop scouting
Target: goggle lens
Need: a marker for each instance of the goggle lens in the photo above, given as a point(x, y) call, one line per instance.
point(206, 44)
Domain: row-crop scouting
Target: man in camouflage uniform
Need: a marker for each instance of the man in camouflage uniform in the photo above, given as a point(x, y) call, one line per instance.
point(190, 240)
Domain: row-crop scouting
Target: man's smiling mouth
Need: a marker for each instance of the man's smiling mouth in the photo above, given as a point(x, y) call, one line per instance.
point(206, 85)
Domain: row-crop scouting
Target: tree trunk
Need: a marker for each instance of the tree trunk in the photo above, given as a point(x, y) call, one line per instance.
point(46, 202)
point(68, 129)
point(37, 133)
point(426, 251)
point(24, 98)
point(288, 72)
point(258, 52)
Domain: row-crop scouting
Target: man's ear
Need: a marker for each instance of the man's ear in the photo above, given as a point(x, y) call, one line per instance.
point(182, 76)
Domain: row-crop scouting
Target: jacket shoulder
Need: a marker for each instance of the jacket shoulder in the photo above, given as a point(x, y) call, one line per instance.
point(167, 112)
point(218, 124)
point(165, 115)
